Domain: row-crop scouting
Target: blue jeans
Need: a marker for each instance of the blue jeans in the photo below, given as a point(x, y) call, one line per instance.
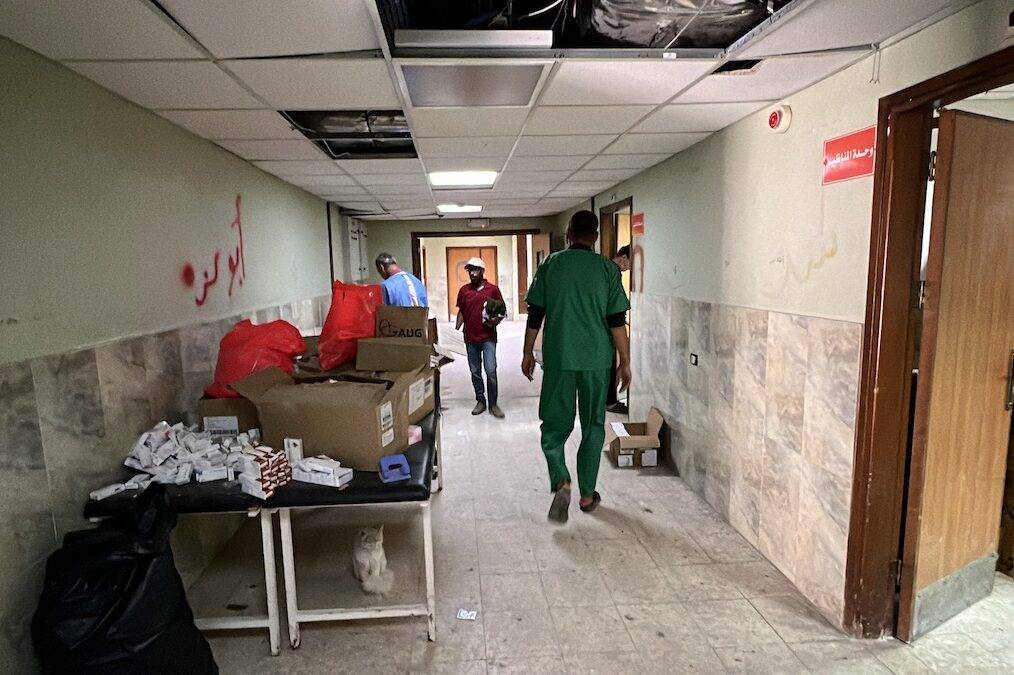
point(483, 355)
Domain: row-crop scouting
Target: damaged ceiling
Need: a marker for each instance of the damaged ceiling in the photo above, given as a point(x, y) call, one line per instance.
point(589, 24)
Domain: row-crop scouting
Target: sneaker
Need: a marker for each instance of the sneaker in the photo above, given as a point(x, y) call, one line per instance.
point(495, 411)
point(479, 408)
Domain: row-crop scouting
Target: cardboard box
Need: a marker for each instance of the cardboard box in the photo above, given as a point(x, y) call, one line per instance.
point(392, 354)
point(635, 444)
point(410, 323)
point(421, 390)
point(353, 418)
point(227, 416)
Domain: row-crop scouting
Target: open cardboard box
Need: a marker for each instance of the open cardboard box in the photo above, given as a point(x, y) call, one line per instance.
point(226, 416)
point(635, 444)
point(397, 354)
point(354, 418)
point(412, 323)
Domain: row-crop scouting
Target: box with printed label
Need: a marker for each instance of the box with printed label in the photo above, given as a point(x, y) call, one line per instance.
point(410, 323)
point(635, 444)
point(356, 419)
point(421, 392)
point(226, 416)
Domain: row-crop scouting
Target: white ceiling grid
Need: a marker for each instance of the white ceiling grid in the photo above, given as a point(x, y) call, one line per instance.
point(559, 129)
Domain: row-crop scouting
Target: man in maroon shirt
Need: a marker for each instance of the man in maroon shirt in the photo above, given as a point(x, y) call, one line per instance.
point(480, 333)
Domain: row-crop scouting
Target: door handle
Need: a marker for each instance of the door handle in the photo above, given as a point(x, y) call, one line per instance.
point(1010, 383)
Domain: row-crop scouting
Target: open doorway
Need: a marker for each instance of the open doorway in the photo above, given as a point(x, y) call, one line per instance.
point(934, 424)
point(615, 234)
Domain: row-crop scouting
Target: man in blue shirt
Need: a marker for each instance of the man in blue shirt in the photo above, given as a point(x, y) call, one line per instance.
point(400, 288)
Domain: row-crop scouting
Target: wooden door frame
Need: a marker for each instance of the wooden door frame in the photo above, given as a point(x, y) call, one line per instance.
point(882, 462)
point(609, 210)
point(416, 236)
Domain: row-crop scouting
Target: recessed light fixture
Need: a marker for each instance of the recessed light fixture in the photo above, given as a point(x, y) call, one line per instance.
point(462, 179)
point(458, 208)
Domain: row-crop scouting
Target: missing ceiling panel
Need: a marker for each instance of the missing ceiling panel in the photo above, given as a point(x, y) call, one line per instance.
point(740, 67)
point(356, 134)
point(458, 86)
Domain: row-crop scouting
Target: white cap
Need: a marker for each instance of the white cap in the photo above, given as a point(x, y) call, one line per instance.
point(476, 262)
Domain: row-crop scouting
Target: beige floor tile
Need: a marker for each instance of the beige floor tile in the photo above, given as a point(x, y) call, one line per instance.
point(502, 592)
point(627, 551)
point(457, 640)
point(563, 553)
point(543, 665)
point(795, 620)
point(462, 668)
point(702, 582)
point(731, 623)
point(577, 588)
point(757, 579)
point(638, 584)
point(583, 630)
point(953, 652)
point(497, 557)
point(523, 634)
point(660, 627)
point(772, 658)
point(690, 657)
point(604, 663)
point(897, 656)
point(837, 657)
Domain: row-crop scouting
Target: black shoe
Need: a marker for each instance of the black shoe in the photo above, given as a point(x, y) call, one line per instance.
point(479, 408)
point(617, 408)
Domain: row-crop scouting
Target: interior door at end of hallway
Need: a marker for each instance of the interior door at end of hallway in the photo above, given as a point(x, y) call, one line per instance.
point(457, 276)
point(962, 424)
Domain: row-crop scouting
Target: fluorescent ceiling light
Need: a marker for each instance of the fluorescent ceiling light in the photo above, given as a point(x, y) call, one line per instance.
point(462, 178)
point(458, 208)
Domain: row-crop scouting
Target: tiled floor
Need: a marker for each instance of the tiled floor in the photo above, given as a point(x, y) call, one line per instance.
point(653, 582)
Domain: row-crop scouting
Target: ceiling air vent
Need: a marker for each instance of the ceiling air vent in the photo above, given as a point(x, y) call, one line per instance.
point(738, 67)
point(356, 134)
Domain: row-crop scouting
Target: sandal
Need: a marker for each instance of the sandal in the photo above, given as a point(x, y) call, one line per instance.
point(596, 500)
point(558, 510)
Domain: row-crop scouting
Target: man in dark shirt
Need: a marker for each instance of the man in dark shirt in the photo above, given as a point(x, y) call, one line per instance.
point(581, 298)
point(479, 303)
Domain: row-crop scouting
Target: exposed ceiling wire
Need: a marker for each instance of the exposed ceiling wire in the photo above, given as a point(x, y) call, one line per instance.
point(542, 11)
point(700, 10)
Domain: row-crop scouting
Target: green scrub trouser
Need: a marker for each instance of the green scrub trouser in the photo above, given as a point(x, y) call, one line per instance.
point(556, 410)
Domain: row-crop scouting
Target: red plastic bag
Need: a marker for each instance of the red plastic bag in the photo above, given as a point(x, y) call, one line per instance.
point(247, 349)
point(352, 316)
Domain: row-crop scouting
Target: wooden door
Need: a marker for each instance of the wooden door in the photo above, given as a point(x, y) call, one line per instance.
point(540, 250)
point(962, 422)
point(457, 276)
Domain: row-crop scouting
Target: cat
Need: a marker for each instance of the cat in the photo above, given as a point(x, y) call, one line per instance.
point(369, 564)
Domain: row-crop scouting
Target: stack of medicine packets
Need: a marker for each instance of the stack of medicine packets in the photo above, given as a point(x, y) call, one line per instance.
point(321, 470)
point(264, 471)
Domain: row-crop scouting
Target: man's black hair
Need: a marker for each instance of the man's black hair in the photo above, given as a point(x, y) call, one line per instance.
point(385, 260)
point(624, 252)
point(584, 223)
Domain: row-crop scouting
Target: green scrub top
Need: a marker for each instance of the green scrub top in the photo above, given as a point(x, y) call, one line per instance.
point(578, 289)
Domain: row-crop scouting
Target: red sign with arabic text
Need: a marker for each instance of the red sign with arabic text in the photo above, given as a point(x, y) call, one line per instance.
point(637, 225)
point(850, 156)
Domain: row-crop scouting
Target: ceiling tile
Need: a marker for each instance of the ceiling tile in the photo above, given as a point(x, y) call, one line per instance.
point(168, 84)
point(653, 143)
point(615, 175)
point(273, 149)
point(375, 166)
point(462, 196)
point(409, 191)
point(471, 85)
point(359, 205)
point(231, 29)
point(770, 80)
point(532, 146)
point(696, 117)
point(96, 29)
point(570, 162)
point(417, 179)
point(343, 192)
point(580, 189)
point(318, 83)
point(626, 161)
point(539, 177)
point(456, 122)
point(329, 182)
point(300, 167)
point(484, 146)
point(549, 120)
point(464, 163)
point(832, 25)
point(622, 82)
point(233, 124)
point(520, 191)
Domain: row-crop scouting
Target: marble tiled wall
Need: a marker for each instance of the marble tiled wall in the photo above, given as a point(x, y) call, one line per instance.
point(66, 423)
point(762, 427)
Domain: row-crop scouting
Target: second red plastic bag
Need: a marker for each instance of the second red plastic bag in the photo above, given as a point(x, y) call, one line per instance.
point(247, 349)
point(352, 316)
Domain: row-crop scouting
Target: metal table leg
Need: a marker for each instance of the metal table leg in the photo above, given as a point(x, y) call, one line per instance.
point(270, 582)
point(289, 572)
point(430, 584)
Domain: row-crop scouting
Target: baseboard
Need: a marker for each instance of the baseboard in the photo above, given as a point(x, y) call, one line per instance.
point(944, 599)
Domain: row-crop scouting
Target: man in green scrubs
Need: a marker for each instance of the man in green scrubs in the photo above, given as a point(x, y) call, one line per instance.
point(581, 298)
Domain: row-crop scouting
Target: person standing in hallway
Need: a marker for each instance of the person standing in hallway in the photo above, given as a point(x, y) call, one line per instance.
point(613, 403)
point(399, 287)
point(476, 299)
point(580, 296)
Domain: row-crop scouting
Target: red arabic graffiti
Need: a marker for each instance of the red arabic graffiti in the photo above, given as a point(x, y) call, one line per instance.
point(237, 264)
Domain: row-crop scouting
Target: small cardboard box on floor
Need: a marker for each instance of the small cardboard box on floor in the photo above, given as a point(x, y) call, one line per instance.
point(635, 444)
point(351, 417)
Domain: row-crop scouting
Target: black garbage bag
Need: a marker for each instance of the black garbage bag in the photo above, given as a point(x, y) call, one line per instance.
point(113, 602)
